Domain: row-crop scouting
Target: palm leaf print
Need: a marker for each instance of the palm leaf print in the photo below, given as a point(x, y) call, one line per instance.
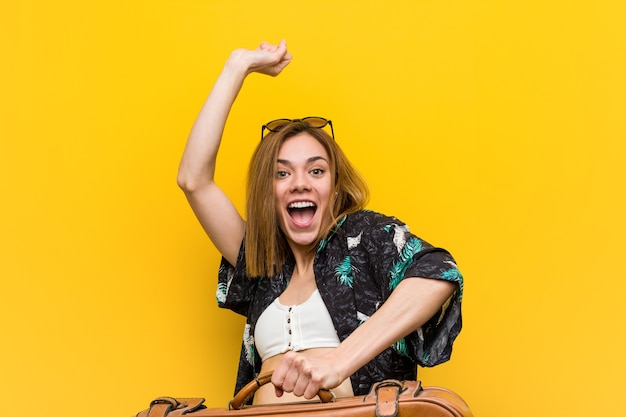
point(324, 242)
point(400, 347)
point(220, 294)
point(343, 272)
point(361, 317)
point(222, 288)
point(402, 264)
point(322, 245)
point(454, 275)
point(248, 342)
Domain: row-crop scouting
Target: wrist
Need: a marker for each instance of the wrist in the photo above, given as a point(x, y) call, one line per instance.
point(342, 364)
point(237, 64)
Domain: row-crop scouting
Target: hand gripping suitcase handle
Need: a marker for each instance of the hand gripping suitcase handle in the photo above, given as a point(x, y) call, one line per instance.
point(248, 391)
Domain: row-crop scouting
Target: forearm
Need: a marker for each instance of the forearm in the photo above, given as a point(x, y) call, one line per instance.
point(411, 305)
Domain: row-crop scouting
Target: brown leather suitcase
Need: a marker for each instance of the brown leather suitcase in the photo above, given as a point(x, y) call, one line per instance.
point(389, 398)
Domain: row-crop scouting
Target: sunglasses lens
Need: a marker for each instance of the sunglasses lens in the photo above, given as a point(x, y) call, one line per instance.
point(316, 122)
point(276, 125)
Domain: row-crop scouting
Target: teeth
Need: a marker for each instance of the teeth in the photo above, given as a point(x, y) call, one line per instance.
point(301, 204)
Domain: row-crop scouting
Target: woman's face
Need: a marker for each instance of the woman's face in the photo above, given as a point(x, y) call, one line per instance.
point(302, 189)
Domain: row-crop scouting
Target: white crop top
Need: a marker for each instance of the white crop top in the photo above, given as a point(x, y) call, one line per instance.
point(282, 328)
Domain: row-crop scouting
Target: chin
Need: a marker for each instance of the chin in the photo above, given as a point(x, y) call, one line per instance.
point(302, 241)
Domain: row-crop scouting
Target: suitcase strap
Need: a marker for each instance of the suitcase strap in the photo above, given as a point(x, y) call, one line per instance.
point(162, 406)
point(387, 393)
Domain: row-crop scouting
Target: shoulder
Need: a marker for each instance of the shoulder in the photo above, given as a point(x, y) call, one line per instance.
point(368, 221)
point(374, 230)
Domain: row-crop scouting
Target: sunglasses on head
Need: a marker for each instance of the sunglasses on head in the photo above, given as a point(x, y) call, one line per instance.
point(311, 121)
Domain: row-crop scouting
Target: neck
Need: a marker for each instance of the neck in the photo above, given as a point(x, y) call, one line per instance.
point(304, 257)
point(302, 281)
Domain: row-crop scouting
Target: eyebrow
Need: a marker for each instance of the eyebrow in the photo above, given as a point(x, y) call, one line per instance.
point(309, 160)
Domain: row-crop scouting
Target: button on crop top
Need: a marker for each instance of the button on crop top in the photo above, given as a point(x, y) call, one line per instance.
point(283, 328)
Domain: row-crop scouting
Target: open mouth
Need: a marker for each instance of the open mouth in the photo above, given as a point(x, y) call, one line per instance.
point(302, 212)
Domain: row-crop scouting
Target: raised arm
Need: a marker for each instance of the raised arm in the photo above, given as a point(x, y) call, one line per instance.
point(215, 211)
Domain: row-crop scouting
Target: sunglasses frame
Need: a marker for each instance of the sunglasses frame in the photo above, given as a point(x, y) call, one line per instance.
point(302, 120)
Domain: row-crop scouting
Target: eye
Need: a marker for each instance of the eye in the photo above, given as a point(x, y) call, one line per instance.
point(282, 174)
point(317, 172)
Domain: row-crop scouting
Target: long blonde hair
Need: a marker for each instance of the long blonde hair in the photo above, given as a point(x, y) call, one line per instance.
point(265, 245)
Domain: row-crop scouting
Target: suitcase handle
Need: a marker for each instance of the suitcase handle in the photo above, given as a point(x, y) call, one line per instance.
point(244, 394)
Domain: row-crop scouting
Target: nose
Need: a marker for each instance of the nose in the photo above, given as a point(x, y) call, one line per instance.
point(300, 183)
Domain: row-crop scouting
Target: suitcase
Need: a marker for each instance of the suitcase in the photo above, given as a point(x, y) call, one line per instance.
point(389, 398)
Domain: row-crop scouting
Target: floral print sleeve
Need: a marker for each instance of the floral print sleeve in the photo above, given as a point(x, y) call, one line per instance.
point(235, 290)
point(399, 255)
point(358, 267)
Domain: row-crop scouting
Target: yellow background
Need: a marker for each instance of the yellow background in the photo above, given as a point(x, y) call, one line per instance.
point(495, 129)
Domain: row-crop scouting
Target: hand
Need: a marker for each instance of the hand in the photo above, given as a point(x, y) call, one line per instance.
point(305, 376)
point(266, 59)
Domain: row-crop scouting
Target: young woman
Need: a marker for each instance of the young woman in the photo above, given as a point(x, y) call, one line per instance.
point(335, 296)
